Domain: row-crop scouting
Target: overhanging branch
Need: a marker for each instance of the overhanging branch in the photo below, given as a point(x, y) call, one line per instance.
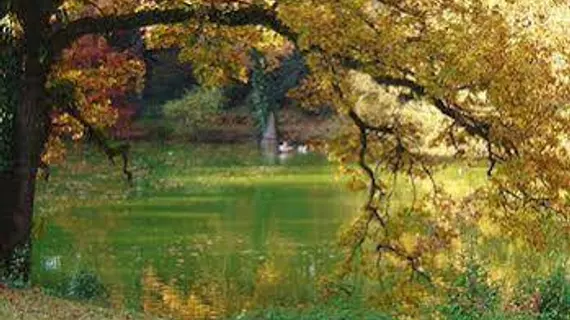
point(110, 151)
point(267, 17)
point(252, 15)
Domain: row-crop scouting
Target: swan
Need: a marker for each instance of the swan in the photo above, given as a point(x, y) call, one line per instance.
point(284, 147)
point(302, 149)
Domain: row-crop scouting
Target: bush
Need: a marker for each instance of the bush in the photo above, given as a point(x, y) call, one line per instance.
point(13, 269)
point(195, 109)
point(81, 285)
point(85, 285)
point(471, 296)
point(554, 293)
point(157, 129)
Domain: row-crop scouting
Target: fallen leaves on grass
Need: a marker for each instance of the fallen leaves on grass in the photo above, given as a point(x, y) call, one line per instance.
point(34, 305)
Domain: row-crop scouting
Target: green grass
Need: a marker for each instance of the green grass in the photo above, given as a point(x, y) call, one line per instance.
point(33, 305)
point(323, 312)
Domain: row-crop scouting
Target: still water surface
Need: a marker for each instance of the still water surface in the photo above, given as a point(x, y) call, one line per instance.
point(222, 217)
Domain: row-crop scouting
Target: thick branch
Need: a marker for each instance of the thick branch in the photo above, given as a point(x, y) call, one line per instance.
point(363, 125)
point(374, 187)
point(253, 15)
point(472, 125)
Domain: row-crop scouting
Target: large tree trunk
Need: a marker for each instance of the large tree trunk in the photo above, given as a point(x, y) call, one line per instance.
point(18, 185)
point(30, 134)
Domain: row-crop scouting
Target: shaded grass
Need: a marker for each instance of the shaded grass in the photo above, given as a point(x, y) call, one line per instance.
point(324, 312)
point(34, 305)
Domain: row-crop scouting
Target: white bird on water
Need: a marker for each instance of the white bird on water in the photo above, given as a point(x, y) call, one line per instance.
point(284, 147)
point(302, 149)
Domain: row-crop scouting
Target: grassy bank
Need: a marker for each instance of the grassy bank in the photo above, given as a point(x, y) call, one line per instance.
point(35, 305)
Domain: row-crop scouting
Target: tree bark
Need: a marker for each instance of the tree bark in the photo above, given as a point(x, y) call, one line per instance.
point(30, 135)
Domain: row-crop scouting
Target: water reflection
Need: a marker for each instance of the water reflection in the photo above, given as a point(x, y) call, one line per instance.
point(225, 233)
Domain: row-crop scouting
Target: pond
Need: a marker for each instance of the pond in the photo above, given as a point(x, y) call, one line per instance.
point(217, 228)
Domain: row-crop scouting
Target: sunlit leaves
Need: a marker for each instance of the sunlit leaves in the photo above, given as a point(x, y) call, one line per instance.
point(473, 60)
point(104, 77)
point(231, 61)
point(496, 72)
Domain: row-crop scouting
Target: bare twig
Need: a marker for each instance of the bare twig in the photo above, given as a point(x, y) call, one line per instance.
point(413, 260)
point(111, 152)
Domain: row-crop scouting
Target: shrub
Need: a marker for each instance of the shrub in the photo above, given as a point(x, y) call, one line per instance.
point(80, 285)
point(85, 285)
point(156, 129)
point(471, 296)
point(554, 293)
point(13, 269)
point(195, 109)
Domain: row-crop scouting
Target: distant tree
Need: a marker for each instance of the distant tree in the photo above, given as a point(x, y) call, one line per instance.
point(269, 89)
point(194, 110)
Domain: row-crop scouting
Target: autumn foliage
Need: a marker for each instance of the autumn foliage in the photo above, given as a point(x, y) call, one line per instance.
point(106, 80)
point(496, 72)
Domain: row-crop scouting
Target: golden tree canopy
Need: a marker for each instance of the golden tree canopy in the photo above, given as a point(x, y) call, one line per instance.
point(495, 71)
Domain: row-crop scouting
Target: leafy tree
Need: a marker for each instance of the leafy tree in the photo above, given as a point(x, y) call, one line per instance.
point(471, 296)
point(495, 81)
point(194, 109)
point(270, 87)
point(105, 80)
point(43, 33)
